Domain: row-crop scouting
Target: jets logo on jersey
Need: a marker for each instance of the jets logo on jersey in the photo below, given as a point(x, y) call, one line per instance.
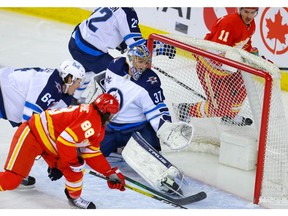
point(152, 80)
point(58, 86)
point(117, 94)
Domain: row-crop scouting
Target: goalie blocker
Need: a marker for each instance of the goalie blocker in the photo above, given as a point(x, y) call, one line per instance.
point(151, 165)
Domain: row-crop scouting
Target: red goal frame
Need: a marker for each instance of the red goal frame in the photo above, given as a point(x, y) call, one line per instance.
point(266, 99)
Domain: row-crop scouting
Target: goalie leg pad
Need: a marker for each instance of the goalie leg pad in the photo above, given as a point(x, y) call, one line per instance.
point(148, 165)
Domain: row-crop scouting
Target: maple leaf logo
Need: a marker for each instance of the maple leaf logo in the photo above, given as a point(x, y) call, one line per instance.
point(277, 31)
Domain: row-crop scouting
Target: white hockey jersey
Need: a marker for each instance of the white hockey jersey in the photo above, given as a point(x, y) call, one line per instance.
point(30, 90)
point(106, 28)
point(140, 101)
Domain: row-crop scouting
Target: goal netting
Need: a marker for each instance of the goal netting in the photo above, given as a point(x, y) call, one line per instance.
point(219, 89)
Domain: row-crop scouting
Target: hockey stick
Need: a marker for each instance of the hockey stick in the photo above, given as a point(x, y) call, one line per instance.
point(138, 190)
point(181, 201)
point(180, 83)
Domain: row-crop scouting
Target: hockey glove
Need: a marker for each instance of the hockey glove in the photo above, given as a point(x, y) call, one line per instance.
point(164, 49)
point(116, 179)
point(176, 135)
point(78, 167)
point(54, 174)
point(122, 47)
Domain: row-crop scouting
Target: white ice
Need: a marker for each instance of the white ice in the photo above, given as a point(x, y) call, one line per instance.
point(27, 41)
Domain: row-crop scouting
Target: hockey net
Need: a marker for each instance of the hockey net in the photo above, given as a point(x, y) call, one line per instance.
point(261, 102)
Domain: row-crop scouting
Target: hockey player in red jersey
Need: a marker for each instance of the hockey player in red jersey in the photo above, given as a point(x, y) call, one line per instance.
point(66, 139)
point(233, 30)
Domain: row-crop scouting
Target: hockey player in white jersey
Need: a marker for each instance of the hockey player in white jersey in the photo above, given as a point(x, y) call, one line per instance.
point(143, 116)
point(107, 28)
point(25, 91)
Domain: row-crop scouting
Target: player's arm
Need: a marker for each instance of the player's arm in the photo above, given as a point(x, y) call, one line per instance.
point(175, 135)
point(96, 160)
point(154, 107)
point(129, 28)
point(42, 94)
point(67, 148)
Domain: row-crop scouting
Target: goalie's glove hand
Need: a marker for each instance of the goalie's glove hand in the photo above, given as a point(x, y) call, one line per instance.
point(116, 179)
point(79, 167)
point(54, 174)
point(176, 135)
point(122, 47)
point(164, 49)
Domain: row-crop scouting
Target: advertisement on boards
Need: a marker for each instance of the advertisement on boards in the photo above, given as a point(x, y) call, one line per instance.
point(271, 35)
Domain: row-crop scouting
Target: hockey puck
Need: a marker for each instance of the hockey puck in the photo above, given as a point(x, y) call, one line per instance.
point(248, 121)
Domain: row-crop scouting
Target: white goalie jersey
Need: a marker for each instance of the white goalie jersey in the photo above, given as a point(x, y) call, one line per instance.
point(140, 100)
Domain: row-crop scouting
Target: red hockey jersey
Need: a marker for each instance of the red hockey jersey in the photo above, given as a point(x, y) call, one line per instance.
point(232, 31)
point(65, 131)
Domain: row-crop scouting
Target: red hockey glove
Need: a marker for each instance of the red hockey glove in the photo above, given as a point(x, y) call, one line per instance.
point(116, 179)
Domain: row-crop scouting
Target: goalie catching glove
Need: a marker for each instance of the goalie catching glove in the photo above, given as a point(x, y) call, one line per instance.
point(176, 135)
point(116, 179)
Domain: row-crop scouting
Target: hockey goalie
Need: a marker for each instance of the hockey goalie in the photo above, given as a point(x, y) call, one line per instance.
point(143, 122)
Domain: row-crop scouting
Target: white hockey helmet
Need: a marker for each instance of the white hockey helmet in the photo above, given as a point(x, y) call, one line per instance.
point(73, 68)
point(136, 55)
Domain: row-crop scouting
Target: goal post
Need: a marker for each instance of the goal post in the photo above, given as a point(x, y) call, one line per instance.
point(188, 81)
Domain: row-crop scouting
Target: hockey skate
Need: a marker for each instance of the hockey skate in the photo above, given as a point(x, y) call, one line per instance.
point(238, 121)
point(79, 202)
point(28, 182)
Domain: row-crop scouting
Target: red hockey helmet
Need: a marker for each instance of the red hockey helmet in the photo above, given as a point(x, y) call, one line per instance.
point(107, 103)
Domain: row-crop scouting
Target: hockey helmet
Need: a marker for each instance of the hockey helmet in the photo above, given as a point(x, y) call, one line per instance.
point(138, 59)
point(73, 68)
point(107, 103)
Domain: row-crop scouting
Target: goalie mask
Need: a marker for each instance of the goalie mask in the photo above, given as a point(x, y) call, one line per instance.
point(138, 59)
point(72, 68)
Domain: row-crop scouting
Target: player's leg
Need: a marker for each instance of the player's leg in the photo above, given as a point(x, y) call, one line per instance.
point(23, 151)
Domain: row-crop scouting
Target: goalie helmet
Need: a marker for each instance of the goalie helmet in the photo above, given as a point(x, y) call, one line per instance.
point(107, 103)
point(138, 59)
point(73, 68)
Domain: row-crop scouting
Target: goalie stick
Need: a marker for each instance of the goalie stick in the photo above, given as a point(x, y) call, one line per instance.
point(180, 201)
point(138, 190)
point(180, 83)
